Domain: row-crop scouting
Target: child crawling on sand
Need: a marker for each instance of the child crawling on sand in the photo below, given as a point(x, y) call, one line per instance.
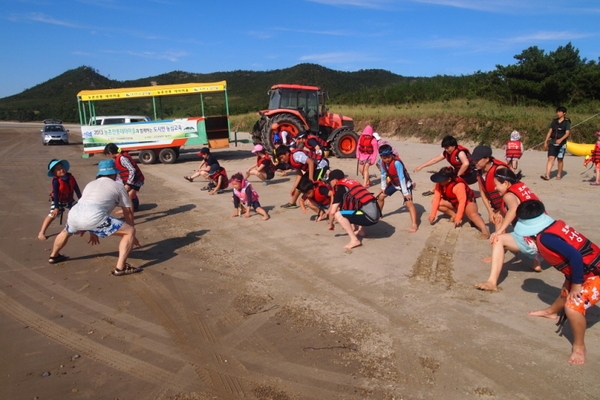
point(244, 197)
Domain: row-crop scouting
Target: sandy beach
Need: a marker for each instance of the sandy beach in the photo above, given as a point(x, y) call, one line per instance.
point(230, 308)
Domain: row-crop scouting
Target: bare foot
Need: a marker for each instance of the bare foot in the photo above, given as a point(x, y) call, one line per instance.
point(41, 237)
point(577, 355)
point(558, 178)
point(543, 313)
point(536, 268)
point(360, 232)
point(266, 217)
point(352, 244)
point(487, 259)
point(487, 286)
point(413, 228)
point(482, 236)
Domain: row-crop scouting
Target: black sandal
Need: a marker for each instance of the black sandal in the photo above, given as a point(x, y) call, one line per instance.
point(128, 270)
point(57, 259)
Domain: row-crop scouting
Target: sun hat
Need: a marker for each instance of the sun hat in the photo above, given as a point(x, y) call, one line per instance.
point(257, 148)
point(54, 163)
point(376, 136)
point(533, 226)
point(515, 135)
point(107, 167)
point(481, 152)
point(204, 150)
point(442, 175)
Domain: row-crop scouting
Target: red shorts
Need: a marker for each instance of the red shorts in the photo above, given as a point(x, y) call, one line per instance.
point(590, 295)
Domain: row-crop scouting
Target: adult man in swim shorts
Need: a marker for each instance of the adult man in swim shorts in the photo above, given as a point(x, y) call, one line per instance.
point(92, 214)
point(556, 142)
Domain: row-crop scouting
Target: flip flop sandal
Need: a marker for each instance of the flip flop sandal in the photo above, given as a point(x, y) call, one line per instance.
point(427, 193)
point(545, 178)
point(205, 188)
point(289, 206)
point(188, 178)
point(128, 270)
point(57, 259)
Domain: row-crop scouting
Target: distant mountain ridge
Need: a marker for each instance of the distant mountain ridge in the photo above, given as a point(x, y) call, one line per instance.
point(247, 90)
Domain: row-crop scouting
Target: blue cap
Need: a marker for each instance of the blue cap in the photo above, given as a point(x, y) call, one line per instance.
point(107, 167)
point(54, 163)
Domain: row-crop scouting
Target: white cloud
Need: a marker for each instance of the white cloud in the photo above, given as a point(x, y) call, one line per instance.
point(336, 57)
point(546, 35)
point(40, 17)
point(375, 4)
point(173, 56)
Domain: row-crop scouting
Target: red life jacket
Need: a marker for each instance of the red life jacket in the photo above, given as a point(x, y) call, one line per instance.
point(589, 251)
point(456, 163)
point(124, 172)
point(319, 197)
point(513, 149)
point(489, 187)
point(365, 144)
point(392, 173)
point(304, 167)
point(322, 143)
point(215, 177)
point(269, 166)
point(66, 189)
point(356, 195)
point(596, 154)
point(522, 192)
point(448, 193)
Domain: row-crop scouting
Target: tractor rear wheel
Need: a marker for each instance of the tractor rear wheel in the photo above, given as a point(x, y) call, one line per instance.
point(257, 130)
point(288, 122)
point(344, 143)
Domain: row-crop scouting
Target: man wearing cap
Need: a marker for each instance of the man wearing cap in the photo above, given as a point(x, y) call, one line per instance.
point(92, 214)
point(208, 166)
point(306, 140)
point(264, 168)
point(556, 142)
point(353, 207)
point(486, 166)
point(576, 257)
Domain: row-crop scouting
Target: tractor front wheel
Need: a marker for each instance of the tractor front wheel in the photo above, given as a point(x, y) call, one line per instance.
point(344, 144)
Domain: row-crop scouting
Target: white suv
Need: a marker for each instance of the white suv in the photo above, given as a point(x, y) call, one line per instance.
point(118, 119)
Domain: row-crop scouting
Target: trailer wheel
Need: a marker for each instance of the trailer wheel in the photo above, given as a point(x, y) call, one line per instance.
point(167, 156)
point(147, 157)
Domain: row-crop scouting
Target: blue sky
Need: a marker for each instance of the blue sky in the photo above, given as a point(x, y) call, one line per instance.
point(131, 39)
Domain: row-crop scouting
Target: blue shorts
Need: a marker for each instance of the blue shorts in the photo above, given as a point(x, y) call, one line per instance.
point(391, 189)
point(526, 245)
point(106, 228)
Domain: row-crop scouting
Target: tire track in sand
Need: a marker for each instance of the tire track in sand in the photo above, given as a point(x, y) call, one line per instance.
point(435, 262)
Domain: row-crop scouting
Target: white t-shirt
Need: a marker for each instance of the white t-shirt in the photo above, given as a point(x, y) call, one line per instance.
point(97, 201)
point(301, 157)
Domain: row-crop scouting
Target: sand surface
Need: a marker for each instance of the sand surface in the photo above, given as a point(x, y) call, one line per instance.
point(230, 308)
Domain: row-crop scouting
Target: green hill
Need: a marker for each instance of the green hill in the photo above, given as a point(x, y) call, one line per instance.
point(247, 90)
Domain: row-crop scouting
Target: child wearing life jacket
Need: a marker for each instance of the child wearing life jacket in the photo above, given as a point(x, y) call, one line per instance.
point(394, 178)
point(64, 186)
point(366, 153)
point(218, 182)
point(264, 168)
point(514, 150)
point(130, 173)
point(458, 157)
point(596, 160)
point(453, 197)
point(208, 165)
point(569, 251)
point(244, 196)
point(486, 166)
point(513, 192)
point(317, 196)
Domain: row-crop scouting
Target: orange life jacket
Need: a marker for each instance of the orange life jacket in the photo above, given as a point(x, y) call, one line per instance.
point(215, 177)
point(266, 160)
point(589, 251)
point(456, 163)
point(392, 173)
point(365, 144)
point(319, 197)
point(66, 189)
point(513, 149)
point(322, 143)
point(356, 195)
point(523, 193)
point(596, 154)
point(124, 172)
point(304, 167)
point(488, 185)
point(448, 192)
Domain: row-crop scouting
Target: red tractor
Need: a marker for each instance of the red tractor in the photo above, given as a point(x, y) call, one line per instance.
point(297, 108)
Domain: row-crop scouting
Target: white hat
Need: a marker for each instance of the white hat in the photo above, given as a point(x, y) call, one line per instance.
point(376, 136)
